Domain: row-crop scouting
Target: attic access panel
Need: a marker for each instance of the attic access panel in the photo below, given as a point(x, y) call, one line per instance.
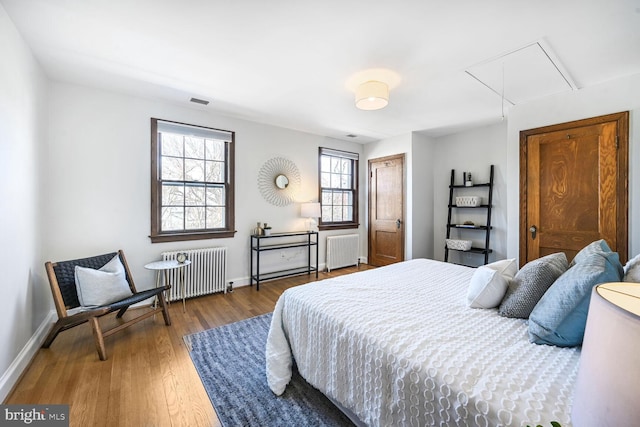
point(530, 72)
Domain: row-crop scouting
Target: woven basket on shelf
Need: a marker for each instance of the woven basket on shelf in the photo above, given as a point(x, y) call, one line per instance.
point(458, 245)
point(469, 201)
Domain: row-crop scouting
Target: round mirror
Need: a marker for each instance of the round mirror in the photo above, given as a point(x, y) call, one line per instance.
point(282, 182)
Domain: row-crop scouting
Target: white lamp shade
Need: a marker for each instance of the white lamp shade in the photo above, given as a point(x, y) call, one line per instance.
point(372, 95)
point(310, 210)
point(608, 382)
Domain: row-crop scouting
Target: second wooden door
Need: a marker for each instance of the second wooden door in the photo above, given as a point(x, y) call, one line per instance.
point(386, 210)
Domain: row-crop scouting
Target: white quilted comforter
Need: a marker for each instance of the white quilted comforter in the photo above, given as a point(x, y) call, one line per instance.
point(398, 346)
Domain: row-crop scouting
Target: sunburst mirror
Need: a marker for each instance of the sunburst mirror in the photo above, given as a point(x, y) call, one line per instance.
point(279, 181)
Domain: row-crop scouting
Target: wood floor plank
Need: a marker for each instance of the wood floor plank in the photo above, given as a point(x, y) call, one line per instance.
point(148, 378)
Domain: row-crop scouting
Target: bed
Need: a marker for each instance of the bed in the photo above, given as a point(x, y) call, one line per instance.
point(399, 345)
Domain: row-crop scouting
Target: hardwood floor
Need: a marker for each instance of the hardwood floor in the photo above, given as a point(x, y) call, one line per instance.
point(148, 378)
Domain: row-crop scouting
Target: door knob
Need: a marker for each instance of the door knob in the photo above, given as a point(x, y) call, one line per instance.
point(398, 222)
point(533, 231)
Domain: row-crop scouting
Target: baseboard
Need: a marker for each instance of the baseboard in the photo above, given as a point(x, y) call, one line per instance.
point(244, 281)
point(11, 376)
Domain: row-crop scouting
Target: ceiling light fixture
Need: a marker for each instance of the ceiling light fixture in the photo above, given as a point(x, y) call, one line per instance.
point(372, 95)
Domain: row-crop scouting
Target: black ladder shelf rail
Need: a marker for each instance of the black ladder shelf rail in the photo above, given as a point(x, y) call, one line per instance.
point(486, 228)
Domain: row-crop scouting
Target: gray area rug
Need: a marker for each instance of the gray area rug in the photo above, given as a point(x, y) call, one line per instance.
point(230, 360)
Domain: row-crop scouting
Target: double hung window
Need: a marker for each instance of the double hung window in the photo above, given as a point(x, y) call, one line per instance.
point(192, 191)
point(338, 189)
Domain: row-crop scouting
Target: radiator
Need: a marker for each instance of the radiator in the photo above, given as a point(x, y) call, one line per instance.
point(206, 274)
point(342, 251)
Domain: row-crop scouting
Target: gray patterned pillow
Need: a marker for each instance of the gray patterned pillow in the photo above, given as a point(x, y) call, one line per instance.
point(530, 284)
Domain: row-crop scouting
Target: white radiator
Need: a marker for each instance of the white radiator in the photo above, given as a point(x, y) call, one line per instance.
point(342, 251)
point(206, 274)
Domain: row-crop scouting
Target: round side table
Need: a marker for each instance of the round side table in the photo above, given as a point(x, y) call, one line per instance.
point(165, 266)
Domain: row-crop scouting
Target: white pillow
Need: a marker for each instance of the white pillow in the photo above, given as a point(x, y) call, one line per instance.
point(506, 267)
point(102, 287)
point(489, 283)
point(632, 270)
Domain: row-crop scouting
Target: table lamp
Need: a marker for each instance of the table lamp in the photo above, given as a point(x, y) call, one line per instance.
point(311, 211)
point(608, 384)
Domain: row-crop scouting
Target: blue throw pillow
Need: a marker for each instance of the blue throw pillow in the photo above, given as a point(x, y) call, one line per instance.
point(598, 247)
point(560, 316)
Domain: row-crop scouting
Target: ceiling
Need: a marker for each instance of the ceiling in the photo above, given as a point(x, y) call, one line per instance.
point(294, 63)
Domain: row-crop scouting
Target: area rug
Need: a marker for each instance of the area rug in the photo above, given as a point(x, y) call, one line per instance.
point(230, 360)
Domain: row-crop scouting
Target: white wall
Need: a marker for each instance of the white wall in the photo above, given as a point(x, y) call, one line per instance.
point(99, 181)
point(25, 301)
point(422, 184)
point(611, 97)
point(472, 151)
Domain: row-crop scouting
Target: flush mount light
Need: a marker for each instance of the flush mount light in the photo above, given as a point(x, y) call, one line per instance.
point(372, 95)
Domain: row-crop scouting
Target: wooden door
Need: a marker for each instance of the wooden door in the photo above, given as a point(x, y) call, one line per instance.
point(573, 187)
point(386, 210)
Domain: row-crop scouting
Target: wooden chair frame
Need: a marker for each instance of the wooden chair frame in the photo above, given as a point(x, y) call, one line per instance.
point(65, 297)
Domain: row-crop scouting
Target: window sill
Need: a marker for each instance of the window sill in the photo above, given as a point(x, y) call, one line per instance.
point(324, 227)
point(178, 237)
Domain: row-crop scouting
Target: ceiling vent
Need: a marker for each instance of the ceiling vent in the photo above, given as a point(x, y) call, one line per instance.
point(199, 101)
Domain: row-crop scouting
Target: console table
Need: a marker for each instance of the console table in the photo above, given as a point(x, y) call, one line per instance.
point(274, 241)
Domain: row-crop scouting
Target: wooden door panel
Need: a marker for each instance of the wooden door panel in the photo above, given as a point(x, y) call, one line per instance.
point(386, 247)
point(569, 185)
point(609, 171)
point(386, 207)
point(568, 242)
point(574, 189)
point(533, 200)
point(385, 183)
point(567, 182)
